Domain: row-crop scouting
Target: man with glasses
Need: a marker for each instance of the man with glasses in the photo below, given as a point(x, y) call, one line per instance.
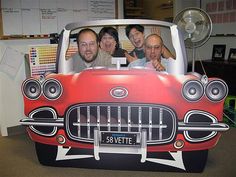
point(153, 50)
point(89, 54)
point(135, 33)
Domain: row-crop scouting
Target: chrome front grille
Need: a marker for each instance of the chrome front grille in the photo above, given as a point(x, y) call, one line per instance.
point(159, 121)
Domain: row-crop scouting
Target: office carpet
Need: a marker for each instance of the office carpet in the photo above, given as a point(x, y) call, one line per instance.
point(18, 159)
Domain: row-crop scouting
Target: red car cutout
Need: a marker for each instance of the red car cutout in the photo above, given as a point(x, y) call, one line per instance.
point(164, 121)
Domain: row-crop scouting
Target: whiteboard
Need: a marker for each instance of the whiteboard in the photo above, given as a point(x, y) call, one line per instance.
point(41, 17)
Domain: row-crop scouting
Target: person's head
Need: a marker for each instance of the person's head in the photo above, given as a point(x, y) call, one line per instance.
point(87, 41)
point(135, 33)
point(153, 46)
point(109, 39)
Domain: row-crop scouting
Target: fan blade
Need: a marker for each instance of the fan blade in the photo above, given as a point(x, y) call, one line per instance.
point(182, 22)
point(196, 32)
point(199, 22)
point(181, 26)
point(203, 29)
point(193, 16)
point(195, 25)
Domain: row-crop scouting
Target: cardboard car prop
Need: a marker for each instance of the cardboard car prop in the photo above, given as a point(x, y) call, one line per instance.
point(125, 118)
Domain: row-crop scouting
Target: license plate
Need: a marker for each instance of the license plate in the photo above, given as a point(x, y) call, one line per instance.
point(119, 138)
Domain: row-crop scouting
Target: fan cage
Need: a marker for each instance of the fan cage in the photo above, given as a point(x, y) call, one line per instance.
point(202, 38)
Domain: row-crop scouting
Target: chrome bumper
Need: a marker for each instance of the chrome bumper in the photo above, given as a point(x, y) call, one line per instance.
point(181, 125)
point(219, 127)
point(43, 122)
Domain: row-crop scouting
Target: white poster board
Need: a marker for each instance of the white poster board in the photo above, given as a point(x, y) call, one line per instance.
point(42, 17)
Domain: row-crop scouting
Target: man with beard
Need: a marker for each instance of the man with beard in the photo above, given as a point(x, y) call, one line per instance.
point(153, 49)
point(135, 33)
point(89, 54)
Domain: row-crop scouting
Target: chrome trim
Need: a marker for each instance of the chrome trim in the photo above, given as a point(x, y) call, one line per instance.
point(150, 123)
point(42, 122)
point(109, 118)
point(55, 81)
point(133, 120)
point(212, 127)
point(54, 121)
point(220, 127)
point(119, 118)
point(134, 126)
point(190, 83)
point(24, 89)
point(119, 92)
point(210, 96)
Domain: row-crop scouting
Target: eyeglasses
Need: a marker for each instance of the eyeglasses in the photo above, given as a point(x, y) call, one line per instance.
point(155, 47)
point(86, 45)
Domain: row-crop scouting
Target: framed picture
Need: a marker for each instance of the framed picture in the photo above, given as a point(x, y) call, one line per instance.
point(232, 54)
point(218, 52)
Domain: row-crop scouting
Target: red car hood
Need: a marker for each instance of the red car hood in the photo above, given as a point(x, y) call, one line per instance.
point(142, 86)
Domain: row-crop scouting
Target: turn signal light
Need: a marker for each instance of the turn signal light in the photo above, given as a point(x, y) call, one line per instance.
point(179, 144)
point(61, 139)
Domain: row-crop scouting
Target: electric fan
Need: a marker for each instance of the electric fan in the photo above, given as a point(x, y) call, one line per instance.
point(196, 27)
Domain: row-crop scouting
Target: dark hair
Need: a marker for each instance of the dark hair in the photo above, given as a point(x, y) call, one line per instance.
point(85, 30)
point(128, 28)
point(111, 31)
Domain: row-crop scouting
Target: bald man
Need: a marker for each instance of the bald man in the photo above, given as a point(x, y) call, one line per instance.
point(153, 49)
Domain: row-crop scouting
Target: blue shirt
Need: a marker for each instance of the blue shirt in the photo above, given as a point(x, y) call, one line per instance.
point(145, 63)
point(140, 62)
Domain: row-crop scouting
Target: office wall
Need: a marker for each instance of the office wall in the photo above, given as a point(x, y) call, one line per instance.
point(11, 101)
point(205, 51)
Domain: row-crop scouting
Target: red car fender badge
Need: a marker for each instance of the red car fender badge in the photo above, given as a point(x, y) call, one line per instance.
point(119, 92)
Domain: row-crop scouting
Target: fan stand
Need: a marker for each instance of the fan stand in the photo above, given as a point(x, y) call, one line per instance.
point(187, 20)
point(193, 58)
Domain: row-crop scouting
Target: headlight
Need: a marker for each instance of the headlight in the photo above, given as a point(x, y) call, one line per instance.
point(216, 90)
point(32, 89)
point(52, 89)
point(193, 90)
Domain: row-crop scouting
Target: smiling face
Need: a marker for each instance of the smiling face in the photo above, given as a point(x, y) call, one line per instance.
point(108, 43)
point(87, 46)
point(137, 38)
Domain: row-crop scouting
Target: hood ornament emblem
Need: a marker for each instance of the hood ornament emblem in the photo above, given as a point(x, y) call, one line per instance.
point(119, 92)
